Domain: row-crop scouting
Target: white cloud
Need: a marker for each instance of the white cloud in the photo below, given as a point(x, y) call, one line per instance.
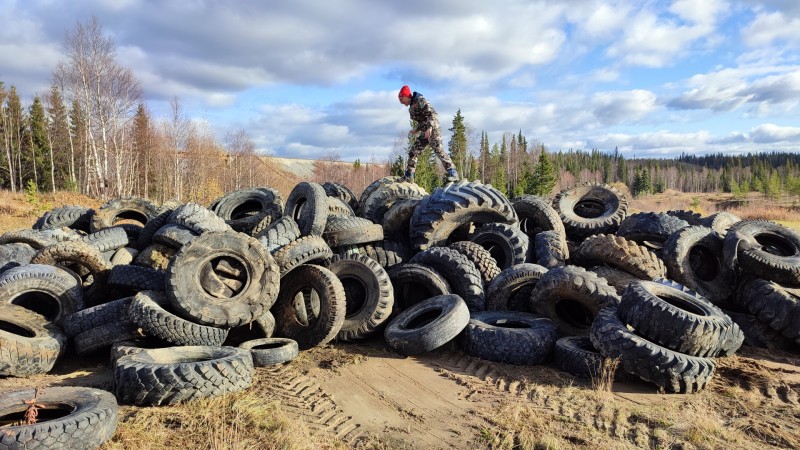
point(769, 27)
point(623, 106)
point(769, 133)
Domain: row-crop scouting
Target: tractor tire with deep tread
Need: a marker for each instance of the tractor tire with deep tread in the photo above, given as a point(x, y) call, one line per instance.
point(576, 355)
point(507, 244)
point(462, 275)
point(550, 249)
point(479, 256)
point(693, 257)
point(150, 310)
point(775, 305)
point(501, 292)
point(622, 254)
point(590, 209)
point(509, 337)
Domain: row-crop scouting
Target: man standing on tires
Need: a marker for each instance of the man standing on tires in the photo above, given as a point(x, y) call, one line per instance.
point(426, 132)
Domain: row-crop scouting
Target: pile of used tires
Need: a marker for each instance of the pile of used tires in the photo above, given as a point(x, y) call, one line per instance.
point(187, 299)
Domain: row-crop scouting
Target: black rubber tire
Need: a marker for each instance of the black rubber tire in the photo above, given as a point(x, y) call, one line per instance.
point(618, 279)
point(590, 209)
point(397, 220)
point(571, 297)
point(38, 238)
point(341, 231)
point(758, 333)
point(124, 348)
point(29, 344)
point(15, 255)
point(245, 208)
point(693, 257)
point(83, 418)
point(173, 236)
point(720, 222)
point(307, 204)
point(691, 217)
point(104, 336)
point(766, 250)
point(381, 199)
point(536, 214)
point(650, 229)
point(155, 256)
point(550, 249)
point(307, 249)
point(502, 290)
point(342, 192)
point(280, 233)
point(337, 207)
point(413, 283)
point(369, 295)
point(96, 316)
point(773, 304)
point(261, 328)
point(47, 290)
point(679, 319)
point(509, 337)
point(159, 219)
point(507, 244)
point(128, 208)
point(450, 207)
point(197, 218)
point(124, 256)
point(84, 259)
point(270, 351)
point(71, 216)
point(577, 356)
point(137, 278)
point(671, 370)
point(326, 318)
point(150, 310)
point(387, 253)
point(622, 254)
point(111, 238)
point(462, 275)
point(259, 275)
point(427, 325)
point(372, 187)
point(483, 260)
point(168, 376)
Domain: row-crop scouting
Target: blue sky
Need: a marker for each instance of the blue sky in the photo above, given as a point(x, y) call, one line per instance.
point(307, 78)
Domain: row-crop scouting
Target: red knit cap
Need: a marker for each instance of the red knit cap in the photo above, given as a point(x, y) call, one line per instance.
point(405, 91)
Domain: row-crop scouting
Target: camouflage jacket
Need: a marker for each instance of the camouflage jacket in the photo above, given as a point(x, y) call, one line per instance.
point(422, 113)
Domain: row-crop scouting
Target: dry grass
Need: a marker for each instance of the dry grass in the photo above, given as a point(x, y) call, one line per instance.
point(603, 382)
point(19, 211)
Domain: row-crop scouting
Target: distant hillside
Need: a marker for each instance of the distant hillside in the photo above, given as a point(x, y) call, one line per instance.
point(304, 169)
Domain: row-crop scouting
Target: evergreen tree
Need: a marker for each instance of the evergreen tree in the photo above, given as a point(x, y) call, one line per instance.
point(608, 176)
point(458, 143)
point(498, 178)
point(38, 145)
point(544, 176)
point(772, 187)
point(622, 170)
point(63, 163)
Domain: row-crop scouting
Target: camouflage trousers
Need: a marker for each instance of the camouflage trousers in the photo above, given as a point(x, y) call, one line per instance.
point(436, 145)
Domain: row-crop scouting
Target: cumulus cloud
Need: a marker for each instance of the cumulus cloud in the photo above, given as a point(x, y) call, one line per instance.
point(769, 133)
point(769, 27)
point(625, 106)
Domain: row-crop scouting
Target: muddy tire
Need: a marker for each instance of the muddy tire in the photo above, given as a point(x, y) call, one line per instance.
point(310, 322)
point(173, 375)
point(479, 256)
point(150, 311)
point(173, 236)
point(387, 253)
point(261, 328)
point(462, 275)
point(427, 325)
point(720, 222)
point(618, 279)
point(107, 239)
point(307, 204)
point(397, 220)
point(691, 217)
point(381, 199)
point(156, 257)
point(414, 283)
point(47, 290)
point(70, 216)
point(38, 238)
point(197, 218)
point(550, 249)
point(245, 208)
point(679, 319)
point(577, 356)
point(620, 253)
point(766, 250)
point(128, 208)
point(349, 230)
point(369, 295)
point(651, 362)
point(81, 258)
point(337, 207)
point(29, 344)
point(650, 229)
point(509, 337)
point(270, 351)
point(241, 261)
point(342, 192)
point(96, 316)
point(507, 244)
point(571, 297)
point(307, 249)
point(773, 304)
point(83, 418)
point(372, 187)
point(158, 220)
point(501, 292)
point(590, 209)
point(536, 214)
point(124, 256)
point(693, 257)
point(279, 234)
point(450, 207)
point(15, 255)
point(137, 278)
